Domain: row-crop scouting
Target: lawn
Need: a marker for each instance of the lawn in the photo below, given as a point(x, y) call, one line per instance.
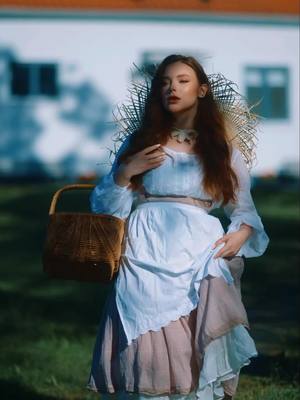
point(48, 327)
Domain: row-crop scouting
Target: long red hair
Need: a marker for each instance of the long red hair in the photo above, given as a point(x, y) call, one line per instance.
point(212, 146)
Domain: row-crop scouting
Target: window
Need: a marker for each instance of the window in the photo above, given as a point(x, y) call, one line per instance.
point(28, 79)
point(269, 86)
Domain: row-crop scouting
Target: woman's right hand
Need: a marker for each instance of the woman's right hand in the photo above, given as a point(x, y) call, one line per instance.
point(148, 158)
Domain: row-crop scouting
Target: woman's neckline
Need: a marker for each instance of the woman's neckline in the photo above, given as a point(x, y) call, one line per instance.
point(179, 152)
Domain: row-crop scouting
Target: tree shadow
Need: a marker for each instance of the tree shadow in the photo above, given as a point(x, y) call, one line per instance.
point(14, 390)
point(278, 367)
point(76, 304)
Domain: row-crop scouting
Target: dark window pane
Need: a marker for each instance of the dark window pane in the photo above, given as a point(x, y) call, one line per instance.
point(278, 99)
point(254, 95)
point(20, 79)
point(48, 83)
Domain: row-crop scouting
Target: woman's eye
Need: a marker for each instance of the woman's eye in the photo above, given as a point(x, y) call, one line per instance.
point(167, 83)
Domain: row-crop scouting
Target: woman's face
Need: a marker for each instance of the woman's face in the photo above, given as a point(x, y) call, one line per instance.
point(180, 80)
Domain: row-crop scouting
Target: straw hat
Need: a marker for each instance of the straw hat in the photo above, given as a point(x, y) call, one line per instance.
point(240, 122)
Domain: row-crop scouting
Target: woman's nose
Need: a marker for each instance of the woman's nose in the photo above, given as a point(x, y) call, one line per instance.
point(171, 88)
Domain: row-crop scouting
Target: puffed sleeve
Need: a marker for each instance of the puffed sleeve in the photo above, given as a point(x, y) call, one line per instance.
point(110, 198)
point(244, 211)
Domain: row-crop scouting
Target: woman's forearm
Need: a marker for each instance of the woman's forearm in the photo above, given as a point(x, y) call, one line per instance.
point(120, 176)
point(246, 228)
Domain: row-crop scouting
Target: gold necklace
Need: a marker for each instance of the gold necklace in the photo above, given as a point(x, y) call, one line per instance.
point(184, 135)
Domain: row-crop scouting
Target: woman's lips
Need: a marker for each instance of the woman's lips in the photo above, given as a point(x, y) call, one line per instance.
point(173, 99)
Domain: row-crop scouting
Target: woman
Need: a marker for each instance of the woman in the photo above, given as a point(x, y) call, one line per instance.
point(174, 325)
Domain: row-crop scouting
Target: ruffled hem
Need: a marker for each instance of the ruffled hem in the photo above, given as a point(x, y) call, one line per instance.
point(155, 364)
point(257, 243)
point(223, 360)
point(143, 392)
point(164, 320)
point(110, 198)
point(211, 267)
point(224, 357)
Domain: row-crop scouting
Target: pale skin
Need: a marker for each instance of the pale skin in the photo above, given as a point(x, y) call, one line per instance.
point(179, 80)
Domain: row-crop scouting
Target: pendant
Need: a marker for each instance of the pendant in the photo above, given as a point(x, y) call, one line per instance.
point(184, 135)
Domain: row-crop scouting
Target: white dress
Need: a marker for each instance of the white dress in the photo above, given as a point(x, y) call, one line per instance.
point(168, 252)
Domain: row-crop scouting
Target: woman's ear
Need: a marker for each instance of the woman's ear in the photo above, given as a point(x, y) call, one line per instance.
point(203, 88)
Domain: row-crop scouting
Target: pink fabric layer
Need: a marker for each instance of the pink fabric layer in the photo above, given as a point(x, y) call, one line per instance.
point(167, 361)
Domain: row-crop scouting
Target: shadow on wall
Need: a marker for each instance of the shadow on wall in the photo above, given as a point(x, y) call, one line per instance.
point(50, 137)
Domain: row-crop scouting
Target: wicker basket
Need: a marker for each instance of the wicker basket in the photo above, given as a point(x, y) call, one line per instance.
point(82, 246)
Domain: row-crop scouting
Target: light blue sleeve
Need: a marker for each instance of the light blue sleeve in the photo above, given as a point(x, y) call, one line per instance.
point(110, 198)
point(244, 211)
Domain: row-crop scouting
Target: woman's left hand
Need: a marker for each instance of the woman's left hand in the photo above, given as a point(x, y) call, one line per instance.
point(233, 241)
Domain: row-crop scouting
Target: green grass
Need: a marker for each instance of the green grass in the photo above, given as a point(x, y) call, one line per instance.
point(49, 327)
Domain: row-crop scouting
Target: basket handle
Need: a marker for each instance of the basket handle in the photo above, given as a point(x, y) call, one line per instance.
point(65, 188)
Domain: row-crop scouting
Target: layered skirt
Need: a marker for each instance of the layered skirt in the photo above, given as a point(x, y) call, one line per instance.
point(195, 356)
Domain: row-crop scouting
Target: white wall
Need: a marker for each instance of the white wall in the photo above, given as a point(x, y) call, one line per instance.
point(103, 51)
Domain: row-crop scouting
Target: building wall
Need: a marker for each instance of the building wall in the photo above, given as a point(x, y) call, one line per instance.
point(95, 56)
